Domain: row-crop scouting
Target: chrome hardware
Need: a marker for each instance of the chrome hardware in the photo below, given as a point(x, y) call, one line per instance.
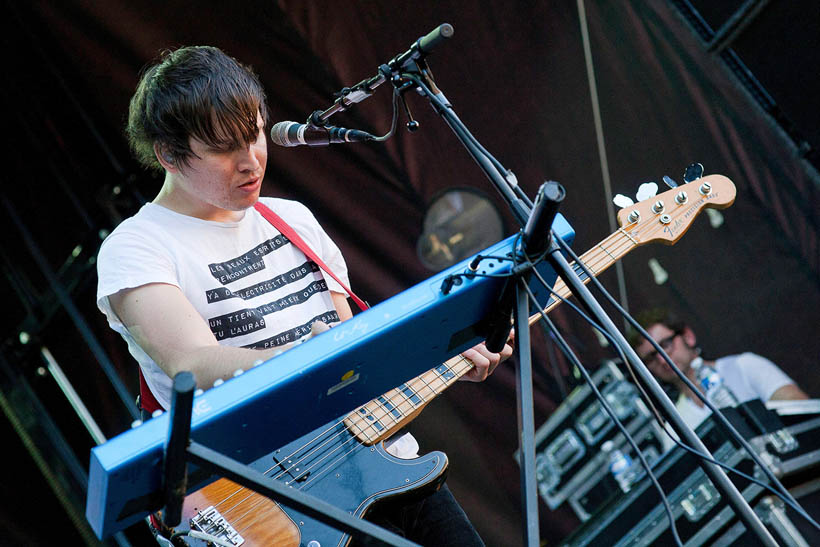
point(634, 216)
point(681, 198)
point(705, 188)
point(699, 501)
point(783, 441)
point(657, 207)
point(666, 219)
point(214, 524)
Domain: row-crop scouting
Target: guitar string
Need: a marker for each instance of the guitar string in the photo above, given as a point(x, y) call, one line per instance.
point(387, 413)
point(592, 260)
point(400, 391)
point(333, 453)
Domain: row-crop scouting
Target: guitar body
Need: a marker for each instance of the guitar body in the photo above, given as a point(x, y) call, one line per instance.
point(329, 464)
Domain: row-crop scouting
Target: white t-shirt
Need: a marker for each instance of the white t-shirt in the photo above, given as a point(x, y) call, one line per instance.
point(252, 287)
point(248, 282)
point(747, 375)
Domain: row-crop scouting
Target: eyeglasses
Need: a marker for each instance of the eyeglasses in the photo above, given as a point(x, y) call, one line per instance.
point(665, 343)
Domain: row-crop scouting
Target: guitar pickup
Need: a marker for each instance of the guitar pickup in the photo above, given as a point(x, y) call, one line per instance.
point(211, 522)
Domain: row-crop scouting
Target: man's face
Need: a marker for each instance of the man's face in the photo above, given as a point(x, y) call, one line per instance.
point(679, 345)
point(218, 183)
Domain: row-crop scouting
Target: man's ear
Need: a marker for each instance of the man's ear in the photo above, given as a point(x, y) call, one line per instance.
point(689, 337)
point(164, 157)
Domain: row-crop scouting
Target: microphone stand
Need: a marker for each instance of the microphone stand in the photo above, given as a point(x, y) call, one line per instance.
point(403, 77)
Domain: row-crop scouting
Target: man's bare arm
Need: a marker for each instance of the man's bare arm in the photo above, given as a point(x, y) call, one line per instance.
point(788, 392)
point(170, 330)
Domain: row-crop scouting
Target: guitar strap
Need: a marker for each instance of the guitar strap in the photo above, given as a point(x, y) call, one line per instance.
point(147, 401)
point(294, 238)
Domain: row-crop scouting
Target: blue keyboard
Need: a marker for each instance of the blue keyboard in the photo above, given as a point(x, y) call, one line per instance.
point(316, 382)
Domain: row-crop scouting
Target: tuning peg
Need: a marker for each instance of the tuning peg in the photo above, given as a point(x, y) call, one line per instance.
point(622, 201)
point(670, 182)
point(693, 172)
point(647, 190)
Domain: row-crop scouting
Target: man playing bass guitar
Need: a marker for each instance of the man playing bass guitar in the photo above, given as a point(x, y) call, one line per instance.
point(198, 280)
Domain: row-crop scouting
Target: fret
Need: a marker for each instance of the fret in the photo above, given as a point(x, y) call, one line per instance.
point(389, 406)
point(411, 395)
point(607, 252)
point(444, 371)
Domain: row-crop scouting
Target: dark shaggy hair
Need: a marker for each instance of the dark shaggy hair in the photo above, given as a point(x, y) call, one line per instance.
point(649, 317)
point(199, 92)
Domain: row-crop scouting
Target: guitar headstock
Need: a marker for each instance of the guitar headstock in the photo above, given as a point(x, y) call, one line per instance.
point(667, 216)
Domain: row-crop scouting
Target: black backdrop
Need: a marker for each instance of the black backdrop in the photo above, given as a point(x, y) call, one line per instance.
point(517, 75)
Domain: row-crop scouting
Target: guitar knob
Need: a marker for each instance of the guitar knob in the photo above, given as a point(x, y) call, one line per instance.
point(670, 182)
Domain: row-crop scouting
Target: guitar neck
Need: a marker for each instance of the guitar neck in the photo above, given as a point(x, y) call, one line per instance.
point(383, 416)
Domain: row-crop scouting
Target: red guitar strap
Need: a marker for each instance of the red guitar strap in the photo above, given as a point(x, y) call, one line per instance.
point(147, 400)
point(291, 234)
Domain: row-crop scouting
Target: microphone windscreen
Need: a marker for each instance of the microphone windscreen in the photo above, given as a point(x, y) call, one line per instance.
point(279, 134)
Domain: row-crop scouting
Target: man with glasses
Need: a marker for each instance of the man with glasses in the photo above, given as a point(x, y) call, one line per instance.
point(747, 375)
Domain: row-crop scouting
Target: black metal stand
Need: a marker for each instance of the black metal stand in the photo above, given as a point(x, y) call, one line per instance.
point(717, 475)
point(180, 450)
point(420, 79)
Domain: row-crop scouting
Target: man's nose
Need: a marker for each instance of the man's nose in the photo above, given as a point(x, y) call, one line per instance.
point(249, 160)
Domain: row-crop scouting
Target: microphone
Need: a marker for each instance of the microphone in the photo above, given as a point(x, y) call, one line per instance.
point(295, 134)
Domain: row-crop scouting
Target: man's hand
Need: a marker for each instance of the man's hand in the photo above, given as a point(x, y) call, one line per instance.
point(485, 361)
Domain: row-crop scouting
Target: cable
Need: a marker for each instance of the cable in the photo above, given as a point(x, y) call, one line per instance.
point(789, 501)
point(394, 122)
point(562, 344)
point(719, 416)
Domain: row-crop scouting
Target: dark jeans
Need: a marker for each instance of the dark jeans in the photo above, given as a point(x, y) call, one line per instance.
point(435, 521)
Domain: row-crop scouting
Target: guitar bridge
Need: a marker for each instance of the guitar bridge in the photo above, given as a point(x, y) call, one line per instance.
point(210, 522)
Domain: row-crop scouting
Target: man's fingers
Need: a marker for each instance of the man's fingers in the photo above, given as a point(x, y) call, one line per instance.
point(318, 327)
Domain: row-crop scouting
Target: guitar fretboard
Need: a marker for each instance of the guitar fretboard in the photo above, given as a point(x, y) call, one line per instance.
point(385, 415)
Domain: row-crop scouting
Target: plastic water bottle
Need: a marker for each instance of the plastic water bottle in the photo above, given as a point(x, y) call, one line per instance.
point(713, 385)
point(620, 465)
